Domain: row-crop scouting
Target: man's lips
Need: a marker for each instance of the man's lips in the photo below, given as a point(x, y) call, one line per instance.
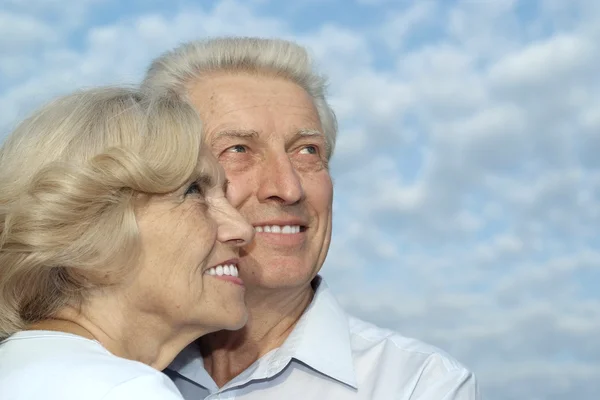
point(281, 226)
point(286, 234)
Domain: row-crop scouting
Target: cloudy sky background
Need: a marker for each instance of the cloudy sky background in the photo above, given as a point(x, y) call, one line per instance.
point(467, 172)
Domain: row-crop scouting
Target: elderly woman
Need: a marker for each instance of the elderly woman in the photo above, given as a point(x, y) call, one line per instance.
point(118, 247)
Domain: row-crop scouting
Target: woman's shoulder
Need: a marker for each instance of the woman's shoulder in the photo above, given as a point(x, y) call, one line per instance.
point(57, 353)
point(65, 366)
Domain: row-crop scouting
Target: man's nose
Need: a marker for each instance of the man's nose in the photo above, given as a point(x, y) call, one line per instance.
point(280, 181)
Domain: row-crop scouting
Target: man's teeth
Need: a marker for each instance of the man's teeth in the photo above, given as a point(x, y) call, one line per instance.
point(288, 229)
point(221, 270)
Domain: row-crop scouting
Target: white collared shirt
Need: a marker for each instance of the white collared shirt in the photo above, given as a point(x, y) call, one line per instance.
point(53, 365)
point(331, 355)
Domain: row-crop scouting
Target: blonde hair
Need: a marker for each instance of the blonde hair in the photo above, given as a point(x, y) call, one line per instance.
point(176, 70)
point(69, 175)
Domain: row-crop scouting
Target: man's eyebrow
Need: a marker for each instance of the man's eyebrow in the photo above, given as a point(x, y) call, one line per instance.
point(310, 132)
point(249, 133)
point(234, 133)
point(315, 133)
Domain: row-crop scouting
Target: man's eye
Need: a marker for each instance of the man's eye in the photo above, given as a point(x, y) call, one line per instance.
point(238, 148)
point(309, 150)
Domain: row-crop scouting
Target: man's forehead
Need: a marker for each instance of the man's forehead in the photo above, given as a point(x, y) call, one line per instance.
point(223, 93)
point(235, 106)
point(252, 107)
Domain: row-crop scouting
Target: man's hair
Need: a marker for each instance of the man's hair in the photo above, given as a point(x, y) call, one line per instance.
point(72, 176)
point(178, 69)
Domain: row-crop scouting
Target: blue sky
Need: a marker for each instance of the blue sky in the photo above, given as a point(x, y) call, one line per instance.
point(467, 172)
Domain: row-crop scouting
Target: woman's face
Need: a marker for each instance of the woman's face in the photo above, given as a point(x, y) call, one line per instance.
point(188, 266)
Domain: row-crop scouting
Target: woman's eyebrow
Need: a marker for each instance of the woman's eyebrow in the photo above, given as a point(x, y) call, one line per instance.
point(206, 180)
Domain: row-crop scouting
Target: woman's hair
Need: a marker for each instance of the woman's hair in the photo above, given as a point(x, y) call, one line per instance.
point(69, 175)
point(178, 69)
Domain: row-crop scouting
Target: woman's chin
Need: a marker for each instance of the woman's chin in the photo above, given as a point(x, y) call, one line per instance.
point(231, 319)
point(238, 322)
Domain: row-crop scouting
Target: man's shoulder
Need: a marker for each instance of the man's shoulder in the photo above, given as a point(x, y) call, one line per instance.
point(370, 342)
point(388, 360)
point(370, 338)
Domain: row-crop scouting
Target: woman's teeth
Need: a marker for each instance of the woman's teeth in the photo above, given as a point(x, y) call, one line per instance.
point(221, 270)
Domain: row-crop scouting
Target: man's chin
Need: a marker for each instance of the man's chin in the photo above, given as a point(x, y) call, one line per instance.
point(276, 283)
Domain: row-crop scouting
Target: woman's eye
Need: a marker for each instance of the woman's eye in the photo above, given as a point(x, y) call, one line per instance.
point(194, 188)
point(238, 148)
point(309, 150)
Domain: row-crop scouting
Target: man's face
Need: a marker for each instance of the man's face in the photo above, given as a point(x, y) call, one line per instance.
point(266, 133)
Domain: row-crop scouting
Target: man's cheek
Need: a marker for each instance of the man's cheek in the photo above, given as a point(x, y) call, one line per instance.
point(236, 164)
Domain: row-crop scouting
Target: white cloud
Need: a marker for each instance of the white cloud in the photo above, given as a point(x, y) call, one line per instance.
point(552, 60)
point(25, 31)
point(400, 24)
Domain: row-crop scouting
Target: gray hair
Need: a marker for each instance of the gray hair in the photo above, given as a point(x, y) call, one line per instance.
point(177, 69)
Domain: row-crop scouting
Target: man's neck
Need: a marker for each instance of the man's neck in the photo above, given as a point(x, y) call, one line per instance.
point(272, 317)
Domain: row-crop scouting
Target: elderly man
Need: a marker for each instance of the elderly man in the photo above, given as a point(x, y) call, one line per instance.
point(267, 121)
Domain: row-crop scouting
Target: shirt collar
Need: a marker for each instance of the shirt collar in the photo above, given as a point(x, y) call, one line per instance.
point(190, 365)
point(320, 340)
